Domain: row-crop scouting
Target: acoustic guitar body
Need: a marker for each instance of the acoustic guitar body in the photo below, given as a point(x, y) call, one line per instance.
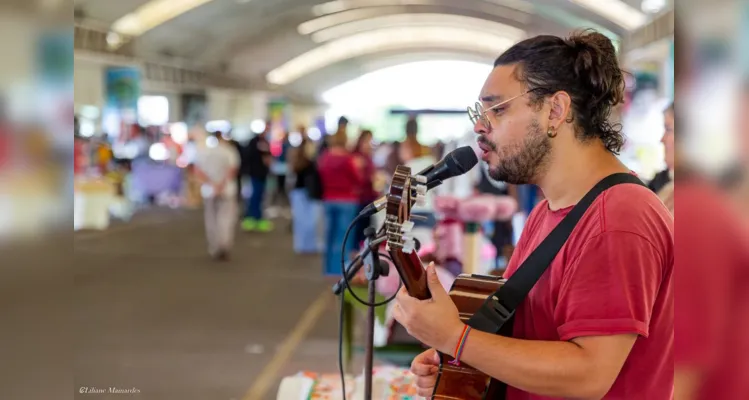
point(462, 382)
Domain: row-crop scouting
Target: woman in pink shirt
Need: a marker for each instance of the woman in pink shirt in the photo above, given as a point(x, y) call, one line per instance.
point(342, 179)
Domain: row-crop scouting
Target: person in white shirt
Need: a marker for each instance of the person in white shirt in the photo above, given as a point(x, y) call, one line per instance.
point(216, 166)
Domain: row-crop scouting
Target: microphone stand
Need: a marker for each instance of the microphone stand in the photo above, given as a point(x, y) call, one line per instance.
point(375, 268)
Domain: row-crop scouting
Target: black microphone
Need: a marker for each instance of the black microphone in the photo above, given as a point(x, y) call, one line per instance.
point(455, 163)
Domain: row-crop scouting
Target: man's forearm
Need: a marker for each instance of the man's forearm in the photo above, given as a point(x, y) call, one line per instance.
point(556, 369)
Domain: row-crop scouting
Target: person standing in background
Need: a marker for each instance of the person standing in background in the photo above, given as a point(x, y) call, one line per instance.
point(416, 156)
point(258, 160)
point(280, 168)
point(411, 148)
point(216, 167)
point(363, 151)
point(663, 183)
point(240, 151)
point(305, 208)
point(342, 129)
point(342, 179)
point(666, 177)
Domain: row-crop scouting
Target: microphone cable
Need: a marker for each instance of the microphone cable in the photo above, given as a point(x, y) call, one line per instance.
point(343, 299)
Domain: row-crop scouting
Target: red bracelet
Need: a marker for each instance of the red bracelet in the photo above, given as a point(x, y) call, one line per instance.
point(459, 347)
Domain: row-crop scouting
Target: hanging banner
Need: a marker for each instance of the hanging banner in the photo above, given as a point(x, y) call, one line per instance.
point(55, 59)
point(123, 88)
point(122, 85)
point(277, 110)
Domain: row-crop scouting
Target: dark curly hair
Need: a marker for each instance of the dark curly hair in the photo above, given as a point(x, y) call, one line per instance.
point(585, 66)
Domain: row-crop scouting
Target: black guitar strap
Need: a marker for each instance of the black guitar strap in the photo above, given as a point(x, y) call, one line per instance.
point(500, 306)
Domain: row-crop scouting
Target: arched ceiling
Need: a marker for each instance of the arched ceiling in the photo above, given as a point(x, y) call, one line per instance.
point(281, 40)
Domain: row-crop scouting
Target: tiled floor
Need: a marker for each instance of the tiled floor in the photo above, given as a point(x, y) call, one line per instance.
point(152, 311)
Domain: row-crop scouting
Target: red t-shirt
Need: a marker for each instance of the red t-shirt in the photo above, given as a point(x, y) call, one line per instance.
point(612, 276)
point(712, 282)
point(341, 178)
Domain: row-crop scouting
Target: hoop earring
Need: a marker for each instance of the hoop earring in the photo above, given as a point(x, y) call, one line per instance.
point(552, 133)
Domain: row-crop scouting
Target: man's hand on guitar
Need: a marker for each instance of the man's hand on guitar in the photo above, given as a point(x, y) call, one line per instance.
point(435, 322)
point(425, 366)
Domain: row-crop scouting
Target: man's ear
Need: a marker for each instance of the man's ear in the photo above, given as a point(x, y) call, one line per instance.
point(561, 109)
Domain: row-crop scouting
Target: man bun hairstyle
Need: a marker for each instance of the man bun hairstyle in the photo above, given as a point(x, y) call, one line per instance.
point(586, 67)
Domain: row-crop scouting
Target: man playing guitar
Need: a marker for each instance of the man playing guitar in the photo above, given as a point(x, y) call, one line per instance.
point(599, 322)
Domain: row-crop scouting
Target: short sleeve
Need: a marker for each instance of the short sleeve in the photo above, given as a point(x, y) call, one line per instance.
point(610, 288)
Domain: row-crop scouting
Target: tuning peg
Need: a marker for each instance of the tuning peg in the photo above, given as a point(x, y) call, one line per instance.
point(420, 200)
point(421, 179)
point(407, 226)
point(421, 189)
point(408, 245)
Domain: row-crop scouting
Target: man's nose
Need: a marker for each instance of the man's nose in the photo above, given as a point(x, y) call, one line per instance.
point(480, 128)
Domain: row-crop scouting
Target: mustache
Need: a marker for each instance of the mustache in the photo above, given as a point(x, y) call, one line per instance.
point(486, 142)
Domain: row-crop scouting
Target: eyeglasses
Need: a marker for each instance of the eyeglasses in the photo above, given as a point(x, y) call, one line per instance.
point(477, 113)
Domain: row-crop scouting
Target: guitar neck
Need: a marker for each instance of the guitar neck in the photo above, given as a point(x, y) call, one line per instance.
point(412, 273)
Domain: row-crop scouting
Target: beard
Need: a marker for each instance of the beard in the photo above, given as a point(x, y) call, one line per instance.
point(521, 164)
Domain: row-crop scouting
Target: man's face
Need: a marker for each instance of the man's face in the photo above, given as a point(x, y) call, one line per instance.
point(515, 146)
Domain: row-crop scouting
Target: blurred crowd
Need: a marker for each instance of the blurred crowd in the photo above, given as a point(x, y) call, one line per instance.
point(321, 185)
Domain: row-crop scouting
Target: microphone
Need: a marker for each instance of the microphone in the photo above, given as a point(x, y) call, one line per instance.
point(455, 163)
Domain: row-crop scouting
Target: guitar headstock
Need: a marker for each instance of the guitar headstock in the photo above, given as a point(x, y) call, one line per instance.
point(405, 191)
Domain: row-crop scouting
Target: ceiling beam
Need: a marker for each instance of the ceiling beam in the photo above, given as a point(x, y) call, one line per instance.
point(416, 19)
point(475, 41)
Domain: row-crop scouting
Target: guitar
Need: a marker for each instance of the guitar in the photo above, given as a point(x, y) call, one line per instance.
point(468, 292)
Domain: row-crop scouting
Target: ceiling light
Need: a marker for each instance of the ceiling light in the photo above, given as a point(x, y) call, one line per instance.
point(327, 21)
point(87, 128)
point(153, 14)
point(615, 11)
point(295, 139)
point(114, 40)
point(218, 126)
point(343, 11)
point(475, 41)
point(412, 20)
point(331, 7)
point(337, 6)
point(211, 142)
point(314, 133)
point(257, 126)
point(179, 133)
point(158, 152)
point(653, 6)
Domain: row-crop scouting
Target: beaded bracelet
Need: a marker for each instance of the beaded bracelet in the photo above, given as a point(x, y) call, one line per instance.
point(459, 346)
